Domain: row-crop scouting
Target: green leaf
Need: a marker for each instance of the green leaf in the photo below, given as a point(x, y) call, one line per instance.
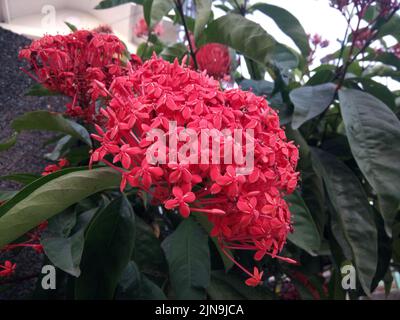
point(373, 131)
point(385, 57)
point(62, 248)
point(188, 258)
point(258, 87)
point(221, 289)
point(305, 234)
point(105, 4)
point(155, 10)
point(6, 195)
point(26, 191)
point(207, 226)
point(50, 121)
point(203, 13)
point(353, 213)
point(148, 254)
point(135, 286)
point(310, 102)
point(177, 50)
point(109, 243)
point(9, 142)
point(378, 90)
point(381, 70)
point(288, 23)
point(385, 28)
point(250, 39)
point(71, 26)
point(312, 189)
point(320, 77)
point(38, 90)
point(24, 178)
point(62, 145)
point(229, 286)
point(39, 202)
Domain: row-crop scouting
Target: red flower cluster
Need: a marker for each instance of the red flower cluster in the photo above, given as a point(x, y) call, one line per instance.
point(215, 59)
point(55, 167)
point(70, 64)
point(141, 29)
point(248, 211)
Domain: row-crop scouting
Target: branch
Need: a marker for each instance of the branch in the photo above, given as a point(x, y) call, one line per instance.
point(179, 7)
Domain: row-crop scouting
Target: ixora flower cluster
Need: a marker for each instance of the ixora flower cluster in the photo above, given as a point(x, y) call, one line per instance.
point(247, 211)
point(215, 59)
point(70, 64)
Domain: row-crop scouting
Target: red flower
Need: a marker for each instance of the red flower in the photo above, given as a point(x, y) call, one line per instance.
point(55, 167)
point(7, 269)
point(255, 279)
point(181, 200)
point(141, 29)
point(135, 60)
point(215, 59)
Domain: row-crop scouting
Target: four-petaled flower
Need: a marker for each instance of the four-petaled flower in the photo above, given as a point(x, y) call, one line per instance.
point(255, 279)
point(181, 200)
point(7, 269)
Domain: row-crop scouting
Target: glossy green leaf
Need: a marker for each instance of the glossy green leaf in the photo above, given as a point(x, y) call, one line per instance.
point(177, 50)
point(353, 213)
point(312, 189)
point(61, 147)
point(305, 234)
point(250, 39)
point(38, 90)
point(105, 4)
point(6, 195)
point(135, 286)
point(24, 178)
point(203, 13)
point(50, 121)
point(378, 90)
point(373, 131)
point(207, 226)
point(229, 286)
point(148, 254)
point(310, 102)
point(109, 244)
point(385, 57)
point(10, 142)
point(63, 249)
point(71, 26)
point(188, 257)
point(39, 202)
point(155, 10)
point(288, 23)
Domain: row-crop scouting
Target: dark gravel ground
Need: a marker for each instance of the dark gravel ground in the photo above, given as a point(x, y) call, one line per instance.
point(26, 155)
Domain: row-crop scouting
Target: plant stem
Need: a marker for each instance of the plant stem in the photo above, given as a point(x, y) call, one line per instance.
point(179, 7)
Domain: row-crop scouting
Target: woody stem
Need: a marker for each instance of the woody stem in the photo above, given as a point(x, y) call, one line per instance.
point(179, 7)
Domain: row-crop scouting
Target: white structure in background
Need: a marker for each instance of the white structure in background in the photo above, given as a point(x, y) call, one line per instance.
point(34, 18)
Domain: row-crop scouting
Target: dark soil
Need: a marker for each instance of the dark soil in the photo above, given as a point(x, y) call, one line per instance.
point(27, 154)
